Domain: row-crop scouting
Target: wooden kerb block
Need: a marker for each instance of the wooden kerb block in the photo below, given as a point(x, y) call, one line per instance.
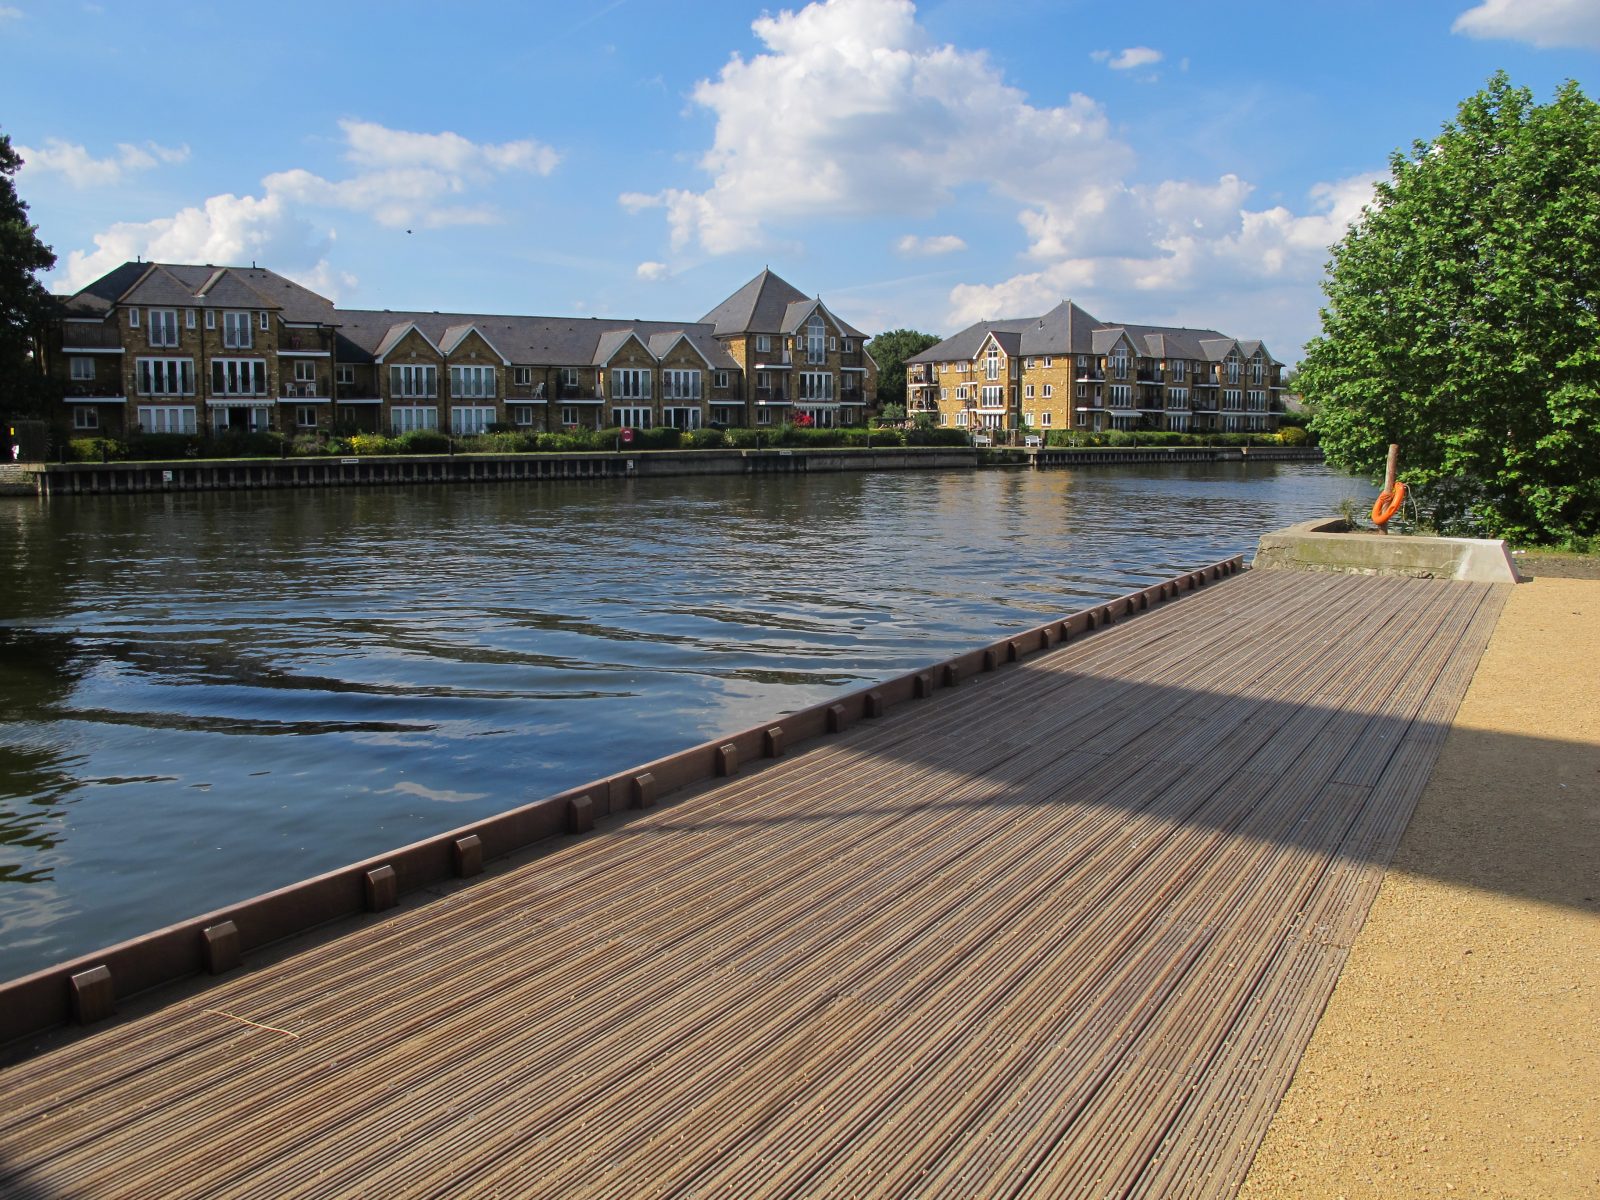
point(1047, 637)
point(1013, 651)
point(221, 945)
point(1090, 620)
point(727, 760)
point(838, 722)
point(1064, 631)
point(872, 705)
point(467, 855)
point(1107, 617)
point(580, 814)
point(991, 660)
point(922, 685)
point(383, 889)
point(93, 997)
point(951, 675)
point(774, 742)
point(644, 790)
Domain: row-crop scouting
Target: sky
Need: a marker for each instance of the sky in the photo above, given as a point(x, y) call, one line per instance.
point(917, 165)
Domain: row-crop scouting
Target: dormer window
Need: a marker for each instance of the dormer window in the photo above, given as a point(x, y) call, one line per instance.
point(815, 333)
point(991, 362)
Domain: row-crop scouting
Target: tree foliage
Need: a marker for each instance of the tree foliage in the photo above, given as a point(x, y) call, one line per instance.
point(890, 351)
point(1463, 321)
point(24, 304)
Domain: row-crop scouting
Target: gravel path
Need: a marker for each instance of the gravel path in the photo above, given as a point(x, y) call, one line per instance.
point(1459, 1056)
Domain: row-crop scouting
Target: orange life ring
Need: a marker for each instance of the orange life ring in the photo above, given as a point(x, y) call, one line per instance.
point(1388, 503)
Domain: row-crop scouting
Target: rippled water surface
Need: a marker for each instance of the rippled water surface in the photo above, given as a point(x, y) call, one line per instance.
point(206, 696)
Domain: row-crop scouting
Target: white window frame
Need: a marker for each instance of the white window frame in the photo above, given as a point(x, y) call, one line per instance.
point(815, 332)
point(1044, 419)
point(679, 384)
point(994, 396)
point(1119, 362)
point(238, 377)
point(680, 416)
point(991, 362)
point(1180, 368)
point(403, 418)
point(1027, 393)
point(520, 414)
point(188, 318)
point(1049, 390)
point(763, 344)
point(305, 416)
point(166, 418)
point(472, 383)
point(414, 381)
point(631, 417)
point(814, 386)
point(133, 318)
point(163, 328)
point(85, 416)
point(469, 419)
point(164, 376)
point(305, 371)
point(345, 373)
point(630, 383)
point(236, 333)
point(81, 369)
point(522, 376)
point(211, 318)
point(568, 377)
point(264, 326)
point(571, 415)
point(720, 379)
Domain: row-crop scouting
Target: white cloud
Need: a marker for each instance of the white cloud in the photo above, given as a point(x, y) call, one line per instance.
point(8, 13)
point(912, 246)
point(854, 111)
point(82, 169)
point(405, 180)
point(1133, 56)
point(650, 272)
point(1547, 24)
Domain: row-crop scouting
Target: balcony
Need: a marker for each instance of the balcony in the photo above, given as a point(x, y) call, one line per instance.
point(305, 341)
point(86, 390)
point(90, 337)
point(1088, 375)
point(304, 391)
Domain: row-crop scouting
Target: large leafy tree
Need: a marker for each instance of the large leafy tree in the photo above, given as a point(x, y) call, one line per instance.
point(1463, 321)
point(890, 351)
point(24, 304)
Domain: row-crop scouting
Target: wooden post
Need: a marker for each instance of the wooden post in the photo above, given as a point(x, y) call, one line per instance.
point(1388, 476)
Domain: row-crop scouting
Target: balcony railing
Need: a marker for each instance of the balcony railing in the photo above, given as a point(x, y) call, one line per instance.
point(304, 391)
point(305, 341)
point(84, 390)
point(90, 337)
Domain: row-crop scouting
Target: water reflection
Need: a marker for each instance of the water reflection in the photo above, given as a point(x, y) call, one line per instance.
point(208, 696)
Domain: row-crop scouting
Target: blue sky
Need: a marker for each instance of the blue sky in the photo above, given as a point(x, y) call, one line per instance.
point(917, 165)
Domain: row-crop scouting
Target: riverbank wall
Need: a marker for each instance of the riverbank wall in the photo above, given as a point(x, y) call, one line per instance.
point(211, 475)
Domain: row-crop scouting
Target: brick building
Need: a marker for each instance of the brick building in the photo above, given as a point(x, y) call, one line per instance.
point(1069, 370)
point(181, 348)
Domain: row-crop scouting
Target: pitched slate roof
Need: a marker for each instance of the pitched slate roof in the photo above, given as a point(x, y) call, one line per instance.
point(190, 285)
point(768, 304)
point(97, 298)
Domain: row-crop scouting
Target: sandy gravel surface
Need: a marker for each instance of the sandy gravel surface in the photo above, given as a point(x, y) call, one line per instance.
point(1460, 1053)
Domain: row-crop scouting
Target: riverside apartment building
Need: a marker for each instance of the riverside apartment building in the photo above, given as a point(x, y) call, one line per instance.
point(187, 348)
point(1069, 370)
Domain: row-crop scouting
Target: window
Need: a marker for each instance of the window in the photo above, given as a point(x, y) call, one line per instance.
point(1027, 391)
point(1049, 390)
point(1231, 398)
point(523, 376)
point(520, 414)
point(472, 383)
point(165, 376)
point(849, 345)
point(1177, 397)
point(944, 393)
point(305, 416)
point(211, 319)
point(630, 418)
point(188, 318)
point(1258, 401)
point(991, 362)
point(1047, 360)
point(763, 343)
point(994, 396)
point(630, 383)
point(85, 416)
point(82, 370)
point(133, 318)
point(763, 415)
point(763, 380)
point(1180, 369)
point(163, 327)
point(263, 322)
point(814, 385)
point(166, 418)
point(238, 377)
point(1083, 361)
point(1027, 418)
point(569, 414)
point(345, 373)
point(236, 330)
point(814, 335)
point(1082, 391)
point(1119, 363)
point(1044, 420)
point(304, 371)
point(680, 385)
point(569, 377)
point(1233, 368)
point(404, 418)
point(720, 379)
point(1255, 369)
point(413, 381)
point(467, 419)
point(680, 418)
point(833, 343)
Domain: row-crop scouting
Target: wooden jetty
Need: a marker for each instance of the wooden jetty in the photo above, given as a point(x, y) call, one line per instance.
point(1060, 929)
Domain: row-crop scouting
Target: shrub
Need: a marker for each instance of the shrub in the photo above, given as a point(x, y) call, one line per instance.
point(706, 439)
point(424, 441)
point(1293, 435)
point(937, 437)
point(163, 445)
point(374, 443)
point(747, 439)
point(96, 449)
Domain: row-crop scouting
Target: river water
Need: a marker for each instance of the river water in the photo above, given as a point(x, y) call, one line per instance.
point(203, 697)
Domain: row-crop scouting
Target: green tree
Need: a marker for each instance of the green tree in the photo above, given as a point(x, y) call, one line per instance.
point(1463, 321)
point(25, 306)
point(890, 351)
